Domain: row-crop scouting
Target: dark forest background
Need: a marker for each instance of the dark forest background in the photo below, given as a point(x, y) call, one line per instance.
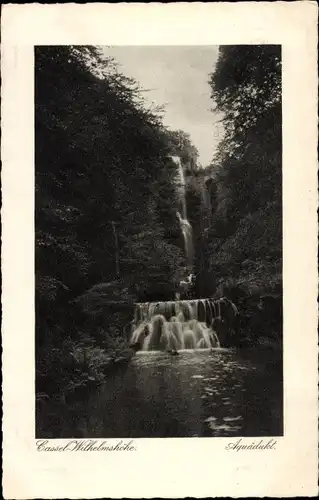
point(106, 200)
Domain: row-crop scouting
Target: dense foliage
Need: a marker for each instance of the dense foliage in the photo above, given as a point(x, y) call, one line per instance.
point(107, 234)
point(241, 249)
point(106, 227)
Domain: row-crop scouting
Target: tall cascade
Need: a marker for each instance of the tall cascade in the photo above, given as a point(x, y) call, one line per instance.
point(184, 324)
point(185, 225)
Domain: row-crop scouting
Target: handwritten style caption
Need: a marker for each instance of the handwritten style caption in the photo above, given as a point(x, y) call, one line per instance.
point(241, 445)
point(85, 445)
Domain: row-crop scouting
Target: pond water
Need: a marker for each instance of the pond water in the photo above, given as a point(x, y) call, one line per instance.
point(222, 392)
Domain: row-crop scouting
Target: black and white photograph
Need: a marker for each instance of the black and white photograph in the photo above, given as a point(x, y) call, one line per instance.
point(158, 241)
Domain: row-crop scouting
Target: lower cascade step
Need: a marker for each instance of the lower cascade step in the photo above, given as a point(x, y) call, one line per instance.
point(185, 324)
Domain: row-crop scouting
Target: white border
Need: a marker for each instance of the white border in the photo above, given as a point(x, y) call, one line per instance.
point(162, 467)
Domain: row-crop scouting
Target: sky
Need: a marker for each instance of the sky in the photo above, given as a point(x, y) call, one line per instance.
point(177, 77)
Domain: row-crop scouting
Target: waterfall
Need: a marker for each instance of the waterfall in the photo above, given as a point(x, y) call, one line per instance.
point(185, 225)
point(183, 188)
point(187, 232)
point(184, 324)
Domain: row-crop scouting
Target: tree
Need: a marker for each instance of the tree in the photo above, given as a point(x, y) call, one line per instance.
point(105, 196)
point(246, 89)
point(182, 146)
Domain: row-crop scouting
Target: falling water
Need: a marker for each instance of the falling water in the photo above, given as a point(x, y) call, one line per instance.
point(187, 232)
point(183, 188)
point(185, 324)
point(185, 225)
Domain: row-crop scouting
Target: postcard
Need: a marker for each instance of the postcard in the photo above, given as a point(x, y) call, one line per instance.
point(159, 250)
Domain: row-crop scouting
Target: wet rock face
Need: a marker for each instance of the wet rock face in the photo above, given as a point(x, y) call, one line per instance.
point(271, 304)
point(262, 318)
point(135, 346)
point(271, 316)
point(224, 331)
